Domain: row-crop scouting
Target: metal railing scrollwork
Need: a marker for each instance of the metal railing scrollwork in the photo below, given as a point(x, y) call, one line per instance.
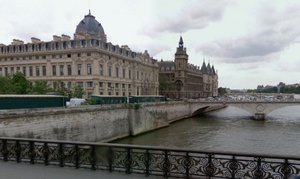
point(147, 160)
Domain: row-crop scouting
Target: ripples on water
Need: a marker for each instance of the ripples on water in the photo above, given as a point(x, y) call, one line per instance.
point(231, 129)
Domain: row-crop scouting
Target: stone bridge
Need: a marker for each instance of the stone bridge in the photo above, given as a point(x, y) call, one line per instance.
point(258, 109)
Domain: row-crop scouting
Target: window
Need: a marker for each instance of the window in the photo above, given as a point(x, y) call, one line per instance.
point(12, 69)
point(89, 84)
point(78, 55)
point(30, 71)
point(53, 70)
point(109, 93)
point(109, 71)
point(0, 71)
point(100, 84)
point(101, 69)
point(24, 71)
point(117, 72)
point(69, 70)
point(129, 86)
point(69, 55)
point(18, 68)
point(124, 71)
point(129, 74)
point(123, 86)
point(37, 71)
point(88, 54)
point(61, 70)
point(44, 56)
point(117, 85)
point(78, 69)
point(89, 69)
point(109, 85)
point(44, 70)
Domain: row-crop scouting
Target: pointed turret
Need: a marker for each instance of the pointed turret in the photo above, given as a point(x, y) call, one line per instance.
point(213, 70)
point(209, 70)
point(203, 67)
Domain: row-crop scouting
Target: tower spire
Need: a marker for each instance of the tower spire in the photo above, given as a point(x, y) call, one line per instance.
point(180, 42)
point(89, 12)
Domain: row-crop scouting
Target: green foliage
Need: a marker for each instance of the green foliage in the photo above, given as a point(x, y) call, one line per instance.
point(163, 82)
point(20, 84)
point(6, 86)
point(41, 87)
point(77, 91)
point(90, 102)
point(221, 91)
point(290, 89)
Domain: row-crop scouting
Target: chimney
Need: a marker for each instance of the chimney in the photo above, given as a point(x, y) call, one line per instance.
point(35, 40)
point(65, 37)
point(56, 38)
point(17, 42)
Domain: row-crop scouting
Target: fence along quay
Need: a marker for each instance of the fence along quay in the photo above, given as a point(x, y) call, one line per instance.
point(148, 160)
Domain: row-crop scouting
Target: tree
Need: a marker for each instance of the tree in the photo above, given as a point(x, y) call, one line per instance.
point(77, 91)
point(221, 91)
point(20, 84)
point(6, 86)
point(163, 82)
point(40, 87)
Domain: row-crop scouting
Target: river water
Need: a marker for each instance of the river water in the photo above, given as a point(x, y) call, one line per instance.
point(230, 129)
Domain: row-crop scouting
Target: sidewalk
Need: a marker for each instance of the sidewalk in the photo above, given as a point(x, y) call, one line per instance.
point(13, 170)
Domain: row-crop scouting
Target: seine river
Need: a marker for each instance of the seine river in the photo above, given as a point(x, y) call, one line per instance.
point(230, 129)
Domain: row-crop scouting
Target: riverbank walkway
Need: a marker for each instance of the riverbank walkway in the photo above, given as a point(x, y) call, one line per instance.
point(13, 170)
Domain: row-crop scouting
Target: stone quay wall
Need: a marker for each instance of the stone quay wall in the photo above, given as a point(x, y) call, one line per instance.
point(91, 123)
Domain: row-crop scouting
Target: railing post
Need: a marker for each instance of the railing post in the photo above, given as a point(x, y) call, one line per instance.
point(233, 166)
point(93, 157)
point(4, 150)
point(128, 161)
point(110, 156)
point(46, 153)
point(76, 156)
point(31, 152)
point(187, 165)
point(147, 162)
point(166, 165)
point(18, 151)
point(61, 154)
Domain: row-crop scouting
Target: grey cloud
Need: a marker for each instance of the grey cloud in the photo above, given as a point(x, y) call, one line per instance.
point(194, 15)
point(275, 32)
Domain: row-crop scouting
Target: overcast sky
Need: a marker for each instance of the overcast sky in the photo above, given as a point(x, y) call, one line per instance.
point(250, 42)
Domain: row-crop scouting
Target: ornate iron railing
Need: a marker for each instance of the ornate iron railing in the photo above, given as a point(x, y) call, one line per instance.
point(148, 160)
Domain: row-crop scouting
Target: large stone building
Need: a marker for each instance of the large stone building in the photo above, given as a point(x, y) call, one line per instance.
point(87, 60)
point(179, 79)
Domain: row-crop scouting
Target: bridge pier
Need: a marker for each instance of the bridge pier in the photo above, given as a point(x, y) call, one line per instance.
point(259, 116)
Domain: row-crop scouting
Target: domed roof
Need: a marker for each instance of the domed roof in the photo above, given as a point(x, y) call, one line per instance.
point(89, 25)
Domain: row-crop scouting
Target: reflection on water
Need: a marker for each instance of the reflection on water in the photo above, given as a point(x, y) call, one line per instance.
point(231, 129)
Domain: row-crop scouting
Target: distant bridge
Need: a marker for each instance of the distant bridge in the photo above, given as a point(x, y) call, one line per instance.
point(258, 109)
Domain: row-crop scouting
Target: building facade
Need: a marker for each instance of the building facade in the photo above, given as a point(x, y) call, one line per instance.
point(87, 60)
point(179, 79)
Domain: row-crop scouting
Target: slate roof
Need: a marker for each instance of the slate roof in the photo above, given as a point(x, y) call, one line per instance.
point(89, 25)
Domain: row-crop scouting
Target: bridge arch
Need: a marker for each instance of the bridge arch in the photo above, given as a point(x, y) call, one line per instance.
point(258, 109)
